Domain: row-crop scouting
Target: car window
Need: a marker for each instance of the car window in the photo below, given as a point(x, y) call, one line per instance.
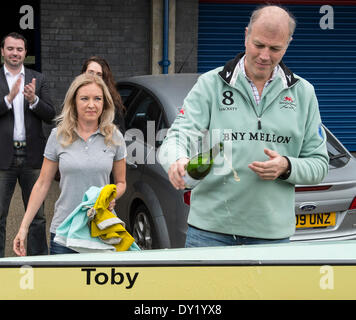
point(127, 93)
point(144, 109)
point(338, 157)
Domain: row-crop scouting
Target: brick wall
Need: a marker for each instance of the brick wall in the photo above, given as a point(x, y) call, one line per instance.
point(73, 30)
point(117, 30)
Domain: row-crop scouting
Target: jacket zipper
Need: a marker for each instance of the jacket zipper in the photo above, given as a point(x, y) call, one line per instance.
point(259, 117)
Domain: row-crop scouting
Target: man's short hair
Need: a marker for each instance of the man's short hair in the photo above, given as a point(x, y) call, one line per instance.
point(256, 13)
point(14, 35)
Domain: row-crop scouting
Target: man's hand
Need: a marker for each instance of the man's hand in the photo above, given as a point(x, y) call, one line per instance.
point(176, 172)
point(14, 90)
point(272, 168)
point(30, 91)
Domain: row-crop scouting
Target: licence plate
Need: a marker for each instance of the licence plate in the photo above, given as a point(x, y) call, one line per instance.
point(315, 220)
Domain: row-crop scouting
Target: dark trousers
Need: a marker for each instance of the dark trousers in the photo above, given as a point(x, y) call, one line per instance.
point(56, 248)
point(26, 176)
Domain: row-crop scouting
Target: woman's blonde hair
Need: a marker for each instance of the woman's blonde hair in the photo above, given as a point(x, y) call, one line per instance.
point(67, 120)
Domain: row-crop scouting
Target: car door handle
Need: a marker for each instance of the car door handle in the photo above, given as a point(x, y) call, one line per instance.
point(132, 165)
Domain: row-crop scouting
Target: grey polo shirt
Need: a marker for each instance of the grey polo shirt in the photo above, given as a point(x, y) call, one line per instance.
point(82, 164)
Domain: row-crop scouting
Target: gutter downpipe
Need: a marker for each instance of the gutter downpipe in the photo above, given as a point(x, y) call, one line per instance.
point(165, 63)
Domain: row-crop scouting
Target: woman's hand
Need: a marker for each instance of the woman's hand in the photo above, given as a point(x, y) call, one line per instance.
point(19, 242)
point(111, 206)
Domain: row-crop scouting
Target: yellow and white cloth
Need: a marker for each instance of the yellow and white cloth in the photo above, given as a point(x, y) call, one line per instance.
point(105, 232)
point(107, 225)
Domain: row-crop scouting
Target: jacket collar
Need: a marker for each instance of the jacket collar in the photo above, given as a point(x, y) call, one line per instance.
point(231, 70)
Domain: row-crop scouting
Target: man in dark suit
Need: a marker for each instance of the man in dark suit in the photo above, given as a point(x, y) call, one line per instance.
point(24, 103)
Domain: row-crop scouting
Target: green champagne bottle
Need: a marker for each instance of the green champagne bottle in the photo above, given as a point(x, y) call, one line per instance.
point(199, 166)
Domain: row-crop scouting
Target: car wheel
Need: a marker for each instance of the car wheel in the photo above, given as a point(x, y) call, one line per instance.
point(143, 229)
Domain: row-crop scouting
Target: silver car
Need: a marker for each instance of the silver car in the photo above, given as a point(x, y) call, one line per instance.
point(156, 213)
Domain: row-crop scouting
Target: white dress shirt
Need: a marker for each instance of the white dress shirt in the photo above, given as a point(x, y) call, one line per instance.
point(18, 104)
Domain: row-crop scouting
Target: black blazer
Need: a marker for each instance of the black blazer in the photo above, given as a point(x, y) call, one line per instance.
point(35, 138)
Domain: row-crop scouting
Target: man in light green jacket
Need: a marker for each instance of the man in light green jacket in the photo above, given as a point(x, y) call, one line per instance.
point(269, 121)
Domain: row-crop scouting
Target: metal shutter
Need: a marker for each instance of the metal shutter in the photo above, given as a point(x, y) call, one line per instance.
point(326, 58)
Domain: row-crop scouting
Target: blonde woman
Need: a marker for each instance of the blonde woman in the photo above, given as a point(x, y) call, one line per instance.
point(86, 146)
